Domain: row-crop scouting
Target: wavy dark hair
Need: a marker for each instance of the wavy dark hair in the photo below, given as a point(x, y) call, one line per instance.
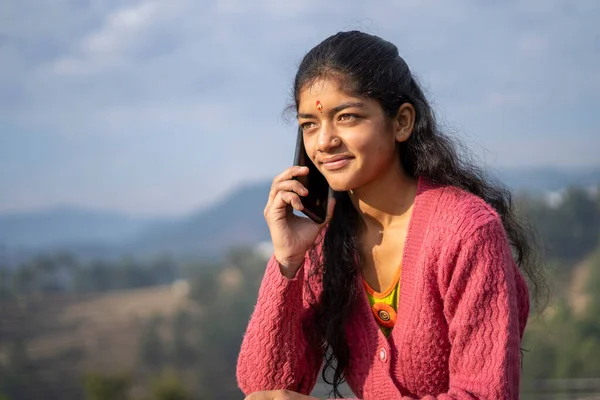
point(368, 66)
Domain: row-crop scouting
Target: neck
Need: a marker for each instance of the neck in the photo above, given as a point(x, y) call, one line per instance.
point(387, 200)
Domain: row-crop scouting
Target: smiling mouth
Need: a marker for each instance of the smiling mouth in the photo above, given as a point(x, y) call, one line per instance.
point(336, 163)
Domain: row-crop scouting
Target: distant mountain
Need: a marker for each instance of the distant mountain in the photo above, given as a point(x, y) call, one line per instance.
point(67, 226)
point(544, 179)
point(235, 220)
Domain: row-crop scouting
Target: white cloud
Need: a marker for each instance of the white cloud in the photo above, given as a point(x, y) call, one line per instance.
point(108, 47)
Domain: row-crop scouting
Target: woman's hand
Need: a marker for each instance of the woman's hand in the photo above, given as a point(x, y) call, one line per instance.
point(278, 395)
point(291, 235)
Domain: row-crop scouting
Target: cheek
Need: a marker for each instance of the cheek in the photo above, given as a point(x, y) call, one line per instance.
point(377, 151)
point(376, 141)
point(310, 147)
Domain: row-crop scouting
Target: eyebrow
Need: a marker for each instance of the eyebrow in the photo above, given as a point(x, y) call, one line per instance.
point(335, 110)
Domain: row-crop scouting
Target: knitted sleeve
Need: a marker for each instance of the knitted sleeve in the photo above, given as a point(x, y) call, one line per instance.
point(486, 304)
point(275, 351)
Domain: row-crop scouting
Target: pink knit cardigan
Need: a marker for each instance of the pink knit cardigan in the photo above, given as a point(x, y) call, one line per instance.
point(462, 310)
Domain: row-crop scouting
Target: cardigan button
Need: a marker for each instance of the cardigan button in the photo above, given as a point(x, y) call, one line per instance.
point(382, 354)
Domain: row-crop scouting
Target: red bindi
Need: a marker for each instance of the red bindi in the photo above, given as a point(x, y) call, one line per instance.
point(319, 105)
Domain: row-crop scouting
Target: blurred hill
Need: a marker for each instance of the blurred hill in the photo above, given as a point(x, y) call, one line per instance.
point(548, 179)
point(67, 225)
point(236, 219)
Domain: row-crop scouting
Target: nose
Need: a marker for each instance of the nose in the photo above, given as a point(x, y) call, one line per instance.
point(327, 138)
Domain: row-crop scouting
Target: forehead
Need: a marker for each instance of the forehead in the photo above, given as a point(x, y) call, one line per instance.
point(324, 90)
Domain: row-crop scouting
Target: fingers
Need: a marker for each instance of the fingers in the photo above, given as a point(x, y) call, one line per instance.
point(285, 181)
point(290, 173)
point(288, 186)
point(286, 193)
point(283, 200)
point(288, 198)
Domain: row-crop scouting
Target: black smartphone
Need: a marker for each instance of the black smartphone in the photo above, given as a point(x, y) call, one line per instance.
point(315, 203)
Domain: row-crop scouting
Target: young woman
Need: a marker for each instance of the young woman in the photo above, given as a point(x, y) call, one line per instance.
point(412, 287)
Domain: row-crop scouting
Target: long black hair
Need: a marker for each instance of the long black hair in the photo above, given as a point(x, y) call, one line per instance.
point(368, 66)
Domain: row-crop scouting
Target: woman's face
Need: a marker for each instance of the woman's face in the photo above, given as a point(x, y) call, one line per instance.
point(349, 139)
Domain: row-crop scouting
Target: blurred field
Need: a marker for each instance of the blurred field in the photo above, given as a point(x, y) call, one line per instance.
point(104, 326)
point(89, 332)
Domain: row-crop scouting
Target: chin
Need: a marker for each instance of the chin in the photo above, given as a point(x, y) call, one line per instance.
point(337, 188)
point(341, 185)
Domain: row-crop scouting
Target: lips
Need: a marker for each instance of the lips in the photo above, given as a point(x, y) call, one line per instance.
point(336, 162)
point(335, 158)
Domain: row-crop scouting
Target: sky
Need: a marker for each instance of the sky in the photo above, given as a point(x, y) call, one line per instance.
point(159, 108)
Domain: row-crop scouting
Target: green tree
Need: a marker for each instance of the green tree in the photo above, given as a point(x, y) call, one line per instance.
point(168, 387)
point(100, 276)
point(18, 374)
point(129, 274)
point(562, 344)
point(223, 322)
point(107, 387)
point(24, 280)
point(204, 287)
point(163, 269)
point(151, 351)
point(182, 350)
point(18, 358)
point(5, 279)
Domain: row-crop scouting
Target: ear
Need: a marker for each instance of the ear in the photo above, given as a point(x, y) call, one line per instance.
point(404, 122)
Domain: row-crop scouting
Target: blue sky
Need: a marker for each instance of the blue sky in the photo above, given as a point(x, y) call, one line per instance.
point(160, 107)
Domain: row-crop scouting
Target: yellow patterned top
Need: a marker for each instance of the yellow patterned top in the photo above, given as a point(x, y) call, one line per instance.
point(385, 304)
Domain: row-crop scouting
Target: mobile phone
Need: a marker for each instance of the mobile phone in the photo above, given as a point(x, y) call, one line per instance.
point(315, 203)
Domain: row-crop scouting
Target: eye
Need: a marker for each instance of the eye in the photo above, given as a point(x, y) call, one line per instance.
point(308, 126)
point(348, 117)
